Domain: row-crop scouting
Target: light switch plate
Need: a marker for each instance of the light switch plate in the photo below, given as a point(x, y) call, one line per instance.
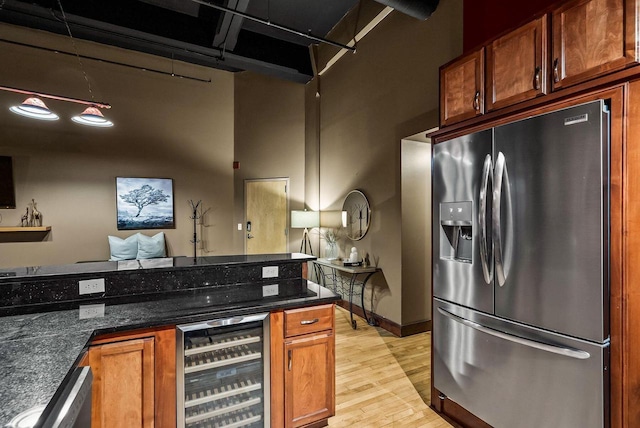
point(239, 226)
point(91, 286)
point(270, 271)
point(269, 290)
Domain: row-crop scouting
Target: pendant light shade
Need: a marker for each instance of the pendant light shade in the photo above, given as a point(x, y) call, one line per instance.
point(92, 117)
point(34, 108)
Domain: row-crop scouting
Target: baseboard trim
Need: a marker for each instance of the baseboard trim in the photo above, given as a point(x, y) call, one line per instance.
point(388, 325)
point(415, 328)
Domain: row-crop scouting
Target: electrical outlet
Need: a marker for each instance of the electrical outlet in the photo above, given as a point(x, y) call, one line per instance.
point(91, 311)
point(91, 286)
point(269, 290)
point(270, 271)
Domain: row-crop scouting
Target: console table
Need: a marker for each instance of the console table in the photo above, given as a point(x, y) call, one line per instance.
point(328, 271)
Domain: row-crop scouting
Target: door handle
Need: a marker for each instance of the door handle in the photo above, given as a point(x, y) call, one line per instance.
point(555, 349)
point(476, 101)
point(309, 322)
point(487, 271)
point(499, 175)
point(556, 74)
point(536, 78)
point(250, 236)
point(290, 358)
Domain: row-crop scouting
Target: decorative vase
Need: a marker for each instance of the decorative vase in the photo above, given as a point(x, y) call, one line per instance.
point(331, 251)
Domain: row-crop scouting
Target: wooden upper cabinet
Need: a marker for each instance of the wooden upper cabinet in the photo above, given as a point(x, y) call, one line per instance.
point(517, 65)
point(591, 38)
point(462, 88)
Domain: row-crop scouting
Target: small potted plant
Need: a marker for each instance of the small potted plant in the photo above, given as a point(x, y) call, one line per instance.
point(331, 250)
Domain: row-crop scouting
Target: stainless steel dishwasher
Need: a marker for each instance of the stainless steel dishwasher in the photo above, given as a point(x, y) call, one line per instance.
point(223, 373)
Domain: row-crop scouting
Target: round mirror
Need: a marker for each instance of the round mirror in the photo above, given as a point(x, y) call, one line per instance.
point(356, 215)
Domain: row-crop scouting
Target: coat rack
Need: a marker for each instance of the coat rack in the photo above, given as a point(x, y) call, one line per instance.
point(195, 217)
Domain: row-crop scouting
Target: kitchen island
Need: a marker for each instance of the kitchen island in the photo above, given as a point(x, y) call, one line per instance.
point(46, 326)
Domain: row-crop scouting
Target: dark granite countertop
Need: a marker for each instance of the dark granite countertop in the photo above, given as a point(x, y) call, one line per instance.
point(39, 350)
point(45, 325)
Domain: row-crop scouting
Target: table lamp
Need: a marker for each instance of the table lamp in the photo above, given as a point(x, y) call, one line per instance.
point(305, 220)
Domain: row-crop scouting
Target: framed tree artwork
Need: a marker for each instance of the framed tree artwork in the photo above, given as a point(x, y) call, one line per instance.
point(144, 203)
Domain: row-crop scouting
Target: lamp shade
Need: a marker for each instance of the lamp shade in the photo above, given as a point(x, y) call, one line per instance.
point(92, 117)
point(34, 108)
point(304, 219)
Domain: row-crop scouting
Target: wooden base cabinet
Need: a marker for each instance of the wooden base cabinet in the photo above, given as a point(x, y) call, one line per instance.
point(303, 366)
point(123, 381)
point(309, 379)
point(133, 380)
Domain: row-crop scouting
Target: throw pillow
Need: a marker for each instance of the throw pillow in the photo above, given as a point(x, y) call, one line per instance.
point(123, 249)
point(150, 247)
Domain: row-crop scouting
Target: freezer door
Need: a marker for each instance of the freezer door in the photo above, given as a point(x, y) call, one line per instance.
point(510, 375)
point(551, 231)
point(461, 186)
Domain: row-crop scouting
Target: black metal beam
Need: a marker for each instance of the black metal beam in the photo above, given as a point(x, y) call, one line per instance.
point(278, 26)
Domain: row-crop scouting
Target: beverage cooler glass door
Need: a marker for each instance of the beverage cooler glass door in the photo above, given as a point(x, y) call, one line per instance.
point(462, 260)
point(223, 380)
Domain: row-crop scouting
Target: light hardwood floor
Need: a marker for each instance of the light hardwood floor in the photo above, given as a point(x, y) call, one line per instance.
point(381, 380)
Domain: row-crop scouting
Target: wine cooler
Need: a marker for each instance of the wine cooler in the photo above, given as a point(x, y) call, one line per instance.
point(223, 373)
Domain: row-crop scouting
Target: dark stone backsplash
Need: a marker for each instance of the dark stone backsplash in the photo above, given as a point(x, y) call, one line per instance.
point(247, 278)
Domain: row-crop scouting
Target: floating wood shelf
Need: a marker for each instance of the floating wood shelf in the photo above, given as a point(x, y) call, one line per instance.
point(25, 229)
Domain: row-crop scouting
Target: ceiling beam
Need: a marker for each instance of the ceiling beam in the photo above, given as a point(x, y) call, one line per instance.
point(308, 36)
point(227, 36)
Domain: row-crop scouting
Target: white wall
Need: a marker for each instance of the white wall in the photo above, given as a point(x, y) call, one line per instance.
point(369, 102)
point(415, 173)
point(164, 127)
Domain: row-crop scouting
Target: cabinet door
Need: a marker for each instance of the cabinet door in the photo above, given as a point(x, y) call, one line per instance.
point(517, 65)
point(309, 379)
point(462, 88)
point(123, 384)
point(591, 38)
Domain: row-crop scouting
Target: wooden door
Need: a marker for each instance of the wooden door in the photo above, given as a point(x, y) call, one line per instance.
point(309, 379)
point(592, 37)
point(517, 65)
point(123, 384)
point(266, 209)
point(462, 88)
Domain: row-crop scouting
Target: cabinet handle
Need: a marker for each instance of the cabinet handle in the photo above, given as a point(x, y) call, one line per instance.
point(309, 322)
point(536, 79)
point(476, 101)
point(556, 76)
point(290, 358)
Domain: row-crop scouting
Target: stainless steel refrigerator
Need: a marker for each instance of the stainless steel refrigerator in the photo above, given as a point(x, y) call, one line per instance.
point(520, 270)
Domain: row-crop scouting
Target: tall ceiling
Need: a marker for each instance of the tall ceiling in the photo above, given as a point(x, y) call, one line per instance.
point(194, 31)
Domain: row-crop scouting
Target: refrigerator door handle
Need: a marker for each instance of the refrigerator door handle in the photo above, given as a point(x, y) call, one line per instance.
point(560, 350)
point(499, 175)
point(487, 270)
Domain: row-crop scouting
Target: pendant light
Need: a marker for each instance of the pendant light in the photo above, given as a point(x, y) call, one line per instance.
point(34, 108)
point(91, 116)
